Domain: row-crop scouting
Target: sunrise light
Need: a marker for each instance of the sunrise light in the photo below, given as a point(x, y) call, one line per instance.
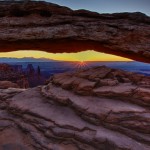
point(88, 55)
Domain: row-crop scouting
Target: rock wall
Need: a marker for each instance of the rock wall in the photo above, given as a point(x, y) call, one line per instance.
point(52, 28)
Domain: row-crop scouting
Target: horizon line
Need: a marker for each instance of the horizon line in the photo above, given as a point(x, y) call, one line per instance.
point(69, 60)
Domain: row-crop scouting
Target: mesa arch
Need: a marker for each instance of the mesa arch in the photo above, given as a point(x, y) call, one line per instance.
point(52, 28)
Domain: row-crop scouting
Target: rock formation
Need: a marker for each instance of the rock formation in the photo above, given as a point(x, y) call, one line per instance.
point(12, 76)
point(92, 109)
point(30, 70)
point(8, 84)
point(49, 27)
point(17, 68)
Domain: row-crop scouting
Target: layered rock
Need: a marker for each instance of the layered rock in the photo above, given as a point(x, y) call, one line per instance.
point(104, 81)
point(94, 109)
point(49, 27)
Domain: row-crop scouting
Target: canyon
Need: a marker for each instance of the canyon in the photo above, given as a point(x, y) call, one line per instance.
point(100, 108)
point(18, 77)
point(12, 76)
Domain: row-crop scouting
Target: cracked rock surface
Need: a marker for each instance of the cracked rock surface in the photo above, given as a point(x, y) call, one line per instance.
point(94, 109)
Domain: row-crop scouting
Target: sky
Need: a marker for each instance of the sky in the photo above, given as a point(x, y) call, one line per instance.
point(107, 6)
point(81, 56)
point(101, 6)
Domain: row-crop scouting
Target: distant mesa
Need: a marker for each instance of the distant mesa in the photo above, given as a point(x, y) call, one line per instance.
point(13, 74)
point(17, 68)
point(30, 69)
point(25, 59)
point(16, 76)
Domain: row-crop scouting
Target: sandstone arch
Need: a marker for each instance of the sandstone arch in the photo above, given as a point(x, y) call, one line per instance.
point(52, 28)
point(97, 108)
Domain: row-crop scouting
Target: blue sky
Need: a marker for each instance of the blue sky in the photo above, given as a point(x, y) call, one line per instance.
point(107, 6)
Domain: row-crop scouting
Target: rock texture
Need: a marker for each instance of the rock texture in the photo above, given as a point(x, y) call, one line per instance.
point(11, 77)
point(93, 109)
point(49, 27)
point(8, 84)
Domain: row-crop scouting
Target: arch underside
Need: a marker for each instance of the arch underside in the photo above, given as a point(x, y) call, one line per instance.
point(68, 46)
point(52, 28)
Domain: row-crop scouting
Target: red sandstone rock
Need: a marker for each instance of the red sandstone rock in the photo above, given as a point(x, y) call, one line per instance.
point(64, 117)
point(8, 84)
point(12, 78)
point(95, 109)
point(49, 27)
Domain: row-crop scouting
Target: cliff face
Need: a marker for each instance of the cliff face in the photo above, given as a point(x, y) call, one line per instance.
point(94, 109)
point(49, 27)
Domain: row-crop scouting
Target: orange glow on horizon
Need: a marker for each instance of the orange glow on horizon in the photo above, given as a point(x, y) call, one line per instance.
point(81, 64)
point(88, 55)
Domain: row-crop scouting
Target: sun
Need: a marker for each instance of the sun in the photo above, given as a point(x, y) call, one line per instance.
point(81, 64)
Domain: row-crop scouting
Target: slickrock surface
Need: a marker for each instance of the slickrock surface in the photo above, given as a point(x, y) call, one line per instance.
point(49, 27)
point(93, 109)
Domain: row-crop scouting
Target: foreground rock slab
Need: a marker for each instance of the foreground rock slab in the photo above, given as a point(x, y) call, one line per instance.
point(53, 28)
point(68, 114)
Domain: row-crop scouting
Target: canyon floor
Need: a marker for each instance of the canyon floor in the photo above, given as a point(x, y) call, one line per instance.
point(92, 109)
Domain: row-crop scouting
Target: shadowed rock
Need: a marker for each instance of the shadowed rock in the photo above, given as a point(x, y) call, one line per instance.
point(52, 28)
